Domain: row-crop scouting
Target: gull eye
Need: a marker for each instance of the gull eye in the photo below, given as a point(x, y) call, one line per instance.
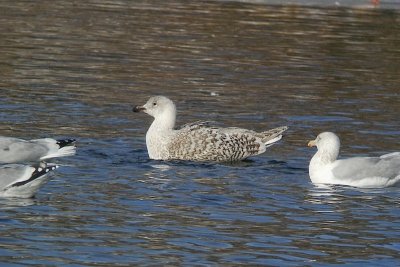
point(154, 103)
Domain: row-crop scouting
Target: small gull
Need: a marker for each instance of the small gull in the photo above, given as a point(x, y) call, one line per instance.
point(365, 172)
point(14, 150)
point(18, 180)
point(200, 141)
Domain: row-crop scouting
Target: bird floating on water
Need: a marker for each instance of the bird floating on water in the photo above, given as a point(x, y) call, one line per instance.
point(365, 172)
point(14, 150)
point(18, 180)
point(200, 141)
point(25, 171)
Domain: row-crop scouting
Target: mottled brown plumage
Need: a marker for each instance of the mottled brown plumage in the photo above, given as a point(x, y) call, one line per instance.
point(200, 141)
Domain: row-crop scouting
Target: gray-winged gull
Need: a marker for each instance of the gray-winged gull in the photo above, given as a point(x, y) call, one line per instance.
point(366, 172)
point(17, 180)
point(199, 141)
point(14, 150)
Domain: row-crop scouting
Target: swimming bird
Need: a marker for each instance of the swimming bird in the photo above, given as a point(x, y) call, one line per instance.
point(18, 180)
point(14, 150)
point(200, 141)
point(365, 172)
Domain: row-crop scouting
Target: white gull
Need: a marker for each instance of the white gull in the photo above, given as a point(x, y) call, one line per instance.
point(14, 150)
point(199, 141)
point(18, 180)
point(365, 172)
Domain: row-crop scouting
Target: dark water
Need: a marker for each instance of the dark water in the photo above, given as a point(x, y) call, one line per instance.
point(76, 68)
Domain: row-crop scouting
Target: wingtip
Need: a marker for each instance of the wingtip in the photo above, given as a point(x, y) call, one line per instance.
point(66, 142)
point(273, 140)
point(37, 173)
point(284, 128)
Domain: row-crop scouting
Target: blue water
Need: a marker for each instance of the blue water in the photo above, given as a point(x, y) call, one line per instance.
point(77, 69)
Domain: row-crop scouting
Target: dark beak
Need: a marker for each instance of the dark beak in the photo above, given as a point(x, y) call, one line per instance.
point(138, 109)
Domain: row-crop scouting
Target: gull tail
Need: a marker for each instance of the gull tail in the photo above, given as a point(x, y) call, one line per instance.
point(272, 136)
point(66, 142)
point(66, 148)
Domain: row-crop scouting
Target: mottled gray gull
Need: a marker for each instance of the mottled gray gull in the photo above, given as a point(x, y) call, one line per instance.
point(366, 172)
point(200, 141)
point(17, 180)
point(14, 150)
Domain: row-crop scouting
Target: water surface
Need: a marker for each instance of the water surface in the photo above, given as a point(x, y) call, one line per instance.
point(75, 69)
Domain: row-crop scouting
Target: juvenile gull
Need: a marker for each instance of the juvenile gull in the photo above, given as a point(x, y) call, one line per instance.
point(200, 141)
point(17, 180)
point(366, 172)
point(14, 150)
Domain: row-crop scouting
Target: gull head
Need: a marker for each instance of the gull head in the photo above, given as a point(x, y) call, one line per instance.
point(161, 108)
point(327, 143)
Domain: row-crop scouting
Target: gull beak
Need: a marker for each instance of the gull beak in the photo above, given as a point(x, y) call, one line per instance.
point(311, 143)
point(138, 109)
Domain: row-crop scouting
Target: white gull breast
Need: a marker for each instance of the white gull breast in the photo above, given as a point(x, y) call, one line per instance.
point(365, 172)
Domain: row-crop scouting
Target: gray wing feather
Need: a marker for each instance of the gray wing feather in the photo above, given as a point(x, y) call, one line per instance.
point(13, 150)
point(11, 173)
point(363, 167)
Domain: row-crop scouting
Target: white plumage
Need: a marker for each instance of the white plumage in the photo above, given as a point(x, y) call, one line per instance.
point(17, 180)
point(31, 172)
point(366, 172)
point(14, 150)
point(200, 141)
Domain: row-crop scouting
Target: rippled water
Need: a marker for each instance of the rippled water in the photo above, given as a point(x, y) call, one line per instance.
point(75, 69)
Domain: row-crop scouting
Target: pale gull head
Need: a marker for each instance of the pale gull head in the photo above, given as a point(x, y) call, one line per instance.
point(161, 108)
point(328, 144)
